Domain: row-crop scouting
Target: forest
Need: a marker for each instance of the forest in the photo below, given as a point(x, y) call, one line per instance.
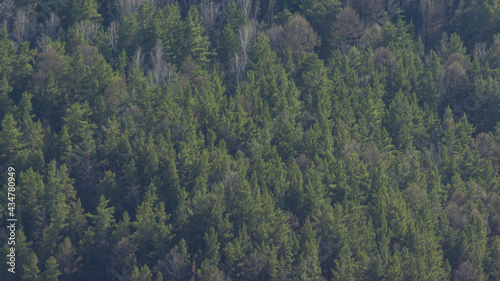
point(150, 140)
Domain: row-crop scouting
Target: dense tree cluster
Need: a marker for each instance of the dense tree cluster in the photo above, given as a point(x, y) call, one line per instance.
point(251, 140)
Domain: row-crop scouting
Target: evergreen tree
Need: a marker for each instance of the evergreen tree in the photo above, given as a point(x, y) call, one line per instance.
point(405, 120)
point(51, 270)
point(30, 269)
point(151, 219)
point(10, 139)
point(5, 101)
point(197, 44)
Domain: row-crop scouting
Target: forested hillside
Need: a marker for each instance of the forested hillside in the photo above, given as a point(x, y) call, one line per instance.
point(250, 140)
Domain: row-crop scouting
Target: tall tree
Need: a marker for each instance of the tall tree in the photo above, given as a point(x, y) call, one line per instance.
point(197, 44)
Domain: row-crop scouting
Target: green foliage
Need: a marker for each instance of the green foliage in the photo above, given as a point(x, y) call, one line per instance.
point(321, 14)
point(373, 156)
point(405, 120)
point(197, 44)
point(51, 270)
point(75, 11)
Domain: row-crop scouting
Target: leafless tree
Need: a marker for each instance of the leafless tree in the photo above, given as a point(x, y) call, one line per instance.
point(371, 11)
point(117, 267)
point(41, 42)
point(253, 266)
point(246, 36)
point(162, 72)
point(6, 9)
point(466, 272)
point(276, 35)
point(270, 11)
point(125, 7)
point(160, 3)
point(68, 259)
point(209, 13)
point(479, 50)
point(113, 34)
point(89, 30)
point(50, 27)
point(238, 66)
point(444, 40)
point(174, 266)
point(138, 58)
point(426, 8)
point(22, 26)
point(249, 8)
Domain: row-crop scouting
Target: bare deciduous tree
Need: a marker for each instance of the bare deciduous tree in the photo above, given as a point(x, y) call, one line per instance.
point(68, 259)
point(246, 36)
point(160, 3)
point(209, 13)
point(426, 8)
point(276, 35)
point(249, 8)
point(22, 26)
point(6, 9)
point(117, 267)
point(113, 34)
point(253, 266)
point(162, 72)
point(138, 58)
point(89, 31)
point(174, 266)
point(125, 7)
point(467, 272)
point(50, 27)
point(370, 11)
point(479, 50)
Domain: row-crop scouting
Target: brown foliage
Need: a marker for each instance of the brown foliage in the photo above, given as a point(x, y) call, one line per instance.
point(187, 69)
point(117, 264)
point(88, 53)
point(300, 36)
point(253, 266)
point(347, 29)
point(49, 60)
point(467, 272)
point(68, 259)
point(115, 94)
point(303, 161)
point(456, 79)
point(276, 35)
point(368, 34)
point(174, 266)
point(383, 58)
point(457, 58)
point(456, 215)
point(487, 146)
point(369, 10)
